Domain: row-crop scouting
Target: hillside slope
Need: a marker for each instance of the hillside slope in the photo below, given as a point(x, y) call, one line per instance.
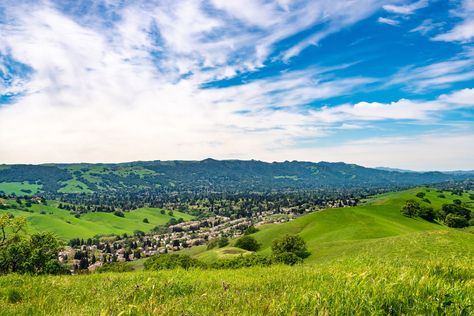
point(66, 226)
point(206, 176)
point(374, 228)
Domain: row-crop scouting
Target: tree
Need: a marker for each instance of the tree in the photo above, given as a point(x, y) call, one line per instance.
point(145, 220)
point(421, 195)
point(289, 249)
point(456, 221)
point(411, 208)
point(427, 213)
point(248, 243)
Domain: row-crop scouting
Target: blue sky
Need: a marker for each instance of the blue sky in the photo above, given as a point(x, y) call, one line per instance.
point(378, 83)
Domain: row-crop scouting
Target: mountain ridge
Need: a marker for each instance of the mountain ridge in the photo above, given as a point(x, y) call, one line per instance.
point(211, 175)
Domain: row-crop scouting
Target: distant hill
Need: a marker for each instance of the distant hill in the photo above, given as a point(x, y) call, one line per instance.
point(208, 175)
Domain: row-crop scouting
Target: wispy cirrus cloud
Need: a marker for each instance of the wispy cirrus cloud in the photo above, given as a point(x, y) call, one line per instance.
point(406, 9)
point(464, 30)
point(436, 75)
point(139, 80)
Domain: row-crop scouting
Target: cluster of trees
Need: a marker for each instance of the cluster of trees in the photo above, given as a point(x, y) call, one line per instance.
point(453, 215)
point(24, 253)
point(209, 204)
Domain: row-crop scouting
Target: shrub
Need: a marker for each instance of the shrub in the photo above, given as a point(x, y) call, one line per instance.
point(421, 195)
point(171, 261)
point(250, 230)
point(288, 258)
point(146, 221)
point(119, 214)
point(293, 244)
point(442, 196)
point(471, 222)
point(456, 221)
point(248, 243)
point(411, 208)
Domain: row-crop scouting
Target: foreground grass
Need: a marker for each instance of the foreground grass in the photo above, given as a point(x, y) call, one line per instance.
point(355, 287)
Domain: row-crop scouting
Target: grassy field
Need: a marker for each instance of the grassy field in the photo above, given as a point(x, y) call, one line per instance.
point(348, 231)
point(20, 188)
point(365, 284)
point(366, 260)
point(66, 226)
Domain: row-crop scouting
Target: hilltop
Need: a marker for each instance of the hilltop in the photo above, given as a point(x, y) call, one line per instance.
point(208, 175)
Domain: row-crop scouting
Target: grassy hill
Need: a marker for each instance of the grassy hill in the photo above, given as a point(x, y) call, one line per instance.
point(66, 226)
point(374, 227)
point(366, 260)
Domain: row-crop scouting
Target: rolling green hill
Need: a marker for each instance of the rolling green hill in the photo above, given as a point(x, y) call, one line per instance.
point(366, 260)
point(66, 226)
point(374, 228)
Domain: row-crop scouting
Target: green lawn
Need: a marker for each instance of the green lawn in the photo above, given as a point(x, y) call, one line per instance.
point(66, 226)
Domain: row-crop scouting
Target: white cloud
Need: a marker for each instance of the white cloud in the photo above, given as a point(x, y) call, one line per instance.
point(406, 9)
point(98, 95)
point(388, 21)
point(427, 26)
point(436, 75)
point(464, 31)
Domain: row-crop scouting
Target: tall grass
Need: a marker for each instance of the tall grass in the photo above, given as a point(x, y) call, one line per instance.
point(358, 286)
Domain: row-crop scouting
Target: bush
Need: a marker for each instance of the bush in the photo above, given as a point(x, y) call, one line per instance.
point(421, 195)
point(293, 244)
point(456, 221)
point(288, 258)
point(471, 222)
point(411, 208)
point(171, 261)
point(146, 221)
point(250, 230)
point(119, 214)
point(248, 243)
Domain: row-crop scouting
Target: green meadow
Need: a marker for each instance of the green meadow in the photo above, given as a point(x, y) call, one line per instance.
point(66, 226)
point(366, 260)
point(20, 188)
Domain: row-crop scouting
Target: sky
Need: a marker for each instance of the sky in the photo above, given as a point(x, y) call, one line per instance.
point(376, 83)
